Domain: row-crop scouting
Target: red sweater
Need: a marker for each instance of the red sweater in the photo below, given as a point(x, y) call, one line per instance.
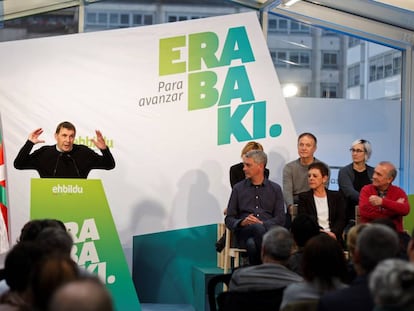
point(394, 205)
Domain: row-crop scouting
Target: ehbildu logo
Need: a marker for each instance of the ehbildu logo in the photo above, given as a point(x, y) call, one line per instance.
point(202, 48)
point(67, 189)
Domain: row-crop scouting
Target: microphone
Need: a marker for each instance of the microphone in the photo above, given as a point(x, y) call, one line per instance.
point(74, 164)
point(57, 162)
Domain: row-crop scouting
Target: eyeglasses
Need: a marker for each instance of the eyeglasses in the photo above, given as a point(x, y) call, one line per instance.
point(356, 150)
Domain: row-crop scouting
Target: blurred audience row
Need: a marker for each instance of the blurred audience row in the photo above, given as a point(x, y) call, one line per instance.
point(40, 275)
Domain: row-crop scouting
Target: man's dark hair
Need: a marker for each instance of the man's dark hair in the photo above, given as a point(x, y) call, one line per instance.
point(32, 228)
point(303, 227)
point(66, 125)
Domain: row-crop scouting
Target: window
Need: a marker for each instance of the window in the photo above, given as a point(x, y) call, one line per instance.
point(330, 60)
point(102, 18)
point(297, 27)
point(148, 19)
point(283, 25)
point(114, 19)
point(279, 25)
point(396, 64)
point(175, 18)
point(299, 59)
point(303, 91)
point(329, 90)
point(117, 20)
point(384, 66)
point(291, 59)
point(91, 18)
point(279, 58)
point(124, 19)
point(354, 75)
point(352, 41)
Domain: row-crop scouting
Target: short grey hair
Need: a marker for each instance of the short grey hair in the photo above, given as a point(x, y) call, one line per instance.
point(392, 284)
point(258, 156)
point(367, 147)
point(277, 243)
point(375, 243)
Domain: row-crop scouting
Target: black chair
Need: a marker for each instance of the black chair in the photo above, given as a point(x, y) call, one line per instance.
point(263, 300)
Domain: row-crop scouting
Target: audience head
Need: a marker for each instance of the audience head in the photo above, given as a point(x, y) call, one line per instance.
point(277, 245)
point(85, 294)
point(351, 237)
point(361, 147)
point(303, 227)
point(49, 274)
point(251, 145)
point(374, 244)
point(32, 228)
point(19, 263)
point(323, 261)
point(384, 174)
point(392, 284)
point(55, 240)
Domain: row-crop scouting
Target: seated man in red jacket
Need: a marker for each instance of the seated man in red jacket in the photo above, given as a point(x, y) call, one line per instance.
point(381, 199)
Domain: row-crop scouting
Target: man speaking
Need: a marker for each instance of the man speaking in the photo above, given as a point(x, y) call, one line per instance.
point(64, 159)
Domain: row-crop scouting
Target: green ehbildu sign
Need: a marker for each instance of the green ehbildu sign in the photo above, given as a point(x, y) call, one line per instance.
point(81, 204)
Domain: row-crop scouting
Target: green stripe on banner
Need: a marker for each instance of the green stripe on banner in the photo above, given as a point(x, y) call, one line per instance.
point(3, 197)
point(81, 204)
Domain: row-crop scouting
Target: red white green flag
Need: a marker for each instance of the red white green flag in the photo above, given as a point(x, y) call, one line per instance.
point(4, 236)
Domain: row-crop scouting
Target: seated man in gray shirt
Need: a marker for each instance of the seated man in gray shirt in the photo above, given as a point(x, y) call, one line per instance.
point(295, 173)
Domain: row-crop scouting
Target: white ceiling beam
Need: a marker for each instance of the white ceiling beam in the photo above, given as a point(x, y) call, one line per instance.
point(313, 14)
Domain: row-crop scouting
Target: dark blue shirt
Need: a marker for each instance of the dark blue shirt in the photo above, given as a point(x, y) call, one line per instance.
point(264, 201)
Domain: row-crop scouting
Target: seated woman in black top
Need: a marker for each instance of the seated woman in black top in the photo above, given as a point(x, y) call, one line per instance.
point(326, 206)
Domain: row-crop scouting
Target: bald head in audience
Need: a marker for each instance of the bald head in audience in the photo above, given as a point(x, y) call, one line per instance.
point(86, 294)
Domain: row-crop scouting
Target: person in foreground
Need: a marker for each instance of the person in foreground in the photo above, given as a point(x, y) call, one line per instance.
point(303, 228)
point(382, 199)
point(83, 294)
point(255, 205)
point(64, 159)
point(392, 285)
point(272, 273)
point(324, 270)
point(374, 243)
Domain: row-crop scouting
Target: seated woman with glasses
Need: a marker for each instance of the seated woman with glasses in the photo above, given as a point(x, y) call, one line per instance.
point(354, 176)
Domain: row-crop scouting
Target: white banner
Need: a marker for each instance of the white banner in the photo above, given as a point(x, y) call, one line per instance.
point(176, 103)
